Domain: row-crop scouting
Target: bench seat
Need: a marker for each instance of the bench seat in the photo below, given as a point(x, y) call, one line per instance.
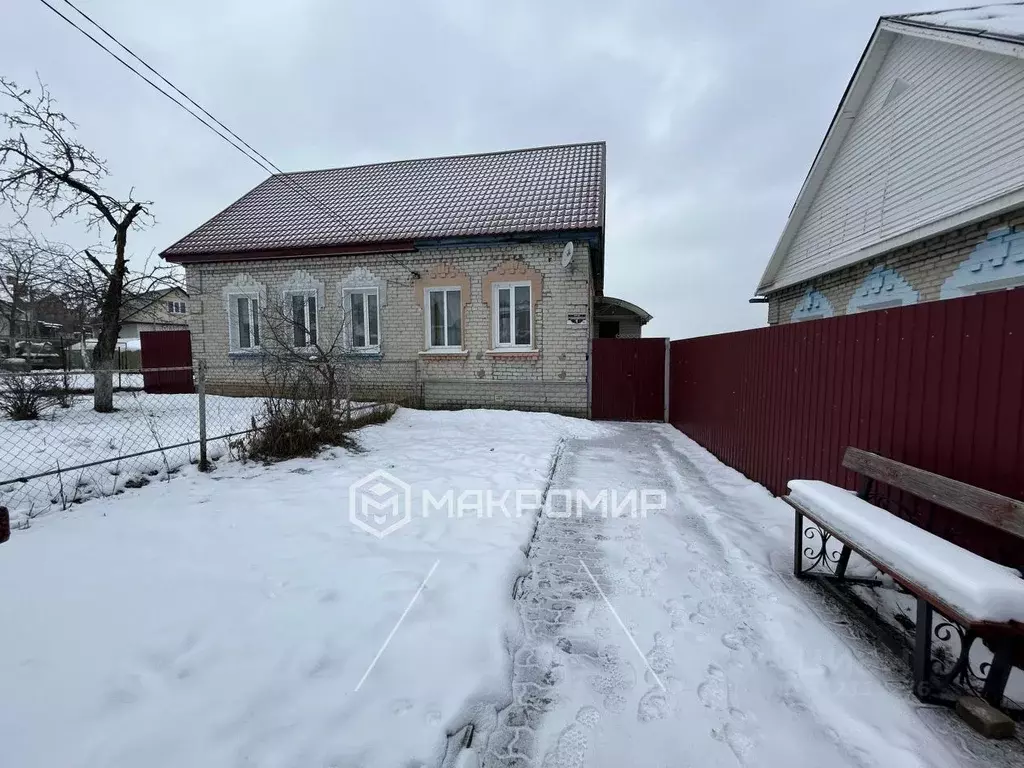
point(981, 591)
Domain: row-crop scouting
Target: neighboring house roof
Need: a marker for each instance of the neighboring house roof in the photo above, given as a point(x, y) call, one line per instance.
point(137, 304)
point(1005, 20)
point(626, 307)
point(994, 28)
point(545, 189)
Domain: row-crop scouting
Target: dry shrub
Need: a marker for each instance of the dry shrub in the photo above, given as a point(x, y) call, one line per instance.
point(26, 398)
point(304, 415)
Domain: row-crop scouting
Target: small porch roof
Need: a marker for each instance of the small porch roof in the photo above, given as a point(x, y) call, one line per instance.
point(610, 308)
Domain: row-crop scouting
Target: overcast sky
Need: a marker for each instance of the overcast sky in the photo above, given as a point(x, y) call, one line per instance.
point(712, 111)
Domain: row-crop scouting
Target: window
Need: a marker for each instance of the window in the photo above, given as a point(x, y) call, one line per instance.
point(362, 308)
point(176, 307)
point(444, 318)
point(304, 327)
point(513, 315)
point(247, 319)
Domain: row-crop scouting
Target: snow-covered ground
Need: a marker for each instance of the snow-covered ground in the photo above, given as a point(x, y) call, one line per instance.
point(78, 435)
point(683, 639)
point(242, 619)
point(228, 619)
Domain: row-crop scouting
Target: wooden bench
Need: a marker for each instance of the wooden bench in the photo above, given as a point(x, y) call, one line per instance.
point(975, 597)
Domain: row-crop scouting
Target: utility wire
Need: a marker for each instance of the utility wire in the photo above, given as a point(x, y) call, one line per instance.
point(232, 138)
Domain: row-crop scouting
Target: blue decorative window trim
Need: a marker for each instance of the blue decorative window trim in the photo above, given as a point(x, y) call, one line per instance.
point(882, 288)
point(813, 306)
point(996, 263)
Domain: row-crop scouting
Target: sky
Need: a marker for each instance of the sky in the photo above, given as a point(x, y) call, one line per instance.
point(712, 111)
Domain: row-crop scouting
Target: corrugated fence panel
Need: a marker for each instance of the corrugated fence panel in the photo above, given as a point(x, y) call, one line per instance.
point(938, 385)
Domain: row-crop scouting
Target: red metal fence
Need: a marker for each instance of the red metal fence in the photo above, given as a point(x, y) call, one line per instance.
point(938, 385)
point(167, 349)
point(628, 379)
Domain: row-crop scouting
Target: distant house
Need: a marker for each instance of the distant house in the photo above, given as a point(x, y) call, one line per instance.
point(163, 310)
point(471, 279)
point(917, 192)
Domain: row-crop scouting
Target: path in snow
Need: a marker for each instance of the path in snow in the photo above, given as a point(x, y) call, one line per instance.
point(740, 664)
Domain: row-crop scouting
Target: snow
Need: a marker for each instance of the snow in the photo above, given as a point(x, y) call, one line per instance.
point(980, 589)
point(227, 619)
point(79, 435)
point(736, 666)
point(1005, 19)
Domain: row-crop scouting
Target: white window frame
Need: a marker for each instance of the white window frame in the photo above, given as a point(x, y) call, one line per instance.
point(510, 345)
point(306, 295)
point(176, 308)
point(443, 289)
point(235, 334)
point(346, 308)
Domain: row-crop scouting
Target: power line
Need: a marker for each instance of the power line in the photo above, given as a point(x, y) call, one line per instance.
point(178, 90)
point(241, 146)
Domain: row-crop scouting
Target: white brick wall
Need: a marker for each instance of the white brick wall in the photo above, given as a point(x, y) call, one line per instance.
point(925, 265)
point(553, 379)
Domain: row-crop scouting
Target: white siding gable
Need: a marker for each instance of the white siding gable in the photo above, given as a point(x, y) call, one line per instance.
point(947, 138)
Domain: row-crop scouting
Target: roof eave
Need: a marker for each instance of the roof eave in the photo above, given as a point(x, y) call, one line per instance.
point(591, 234)
point(992, 42)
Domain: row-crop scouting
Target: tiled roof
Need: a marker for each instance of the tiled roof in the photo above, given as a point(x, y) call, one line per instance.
point(520, 191)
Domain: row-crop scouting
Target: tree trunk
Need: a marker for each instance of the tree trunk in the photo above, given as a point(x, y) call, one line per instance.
point(103, 385)
point(105, 351)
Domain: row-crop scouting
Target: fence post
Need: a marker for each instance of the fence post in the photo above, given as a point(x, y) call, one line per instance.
point(204, 464)
point(668, 379)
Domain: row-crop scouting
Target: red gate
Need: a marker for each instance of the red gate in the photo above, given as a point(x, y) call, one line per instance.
point(627, 379)
point(166, 349)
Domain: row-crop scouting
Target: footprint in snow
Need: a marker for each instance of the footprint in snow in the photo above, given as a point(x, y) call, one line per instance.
point(570, 751)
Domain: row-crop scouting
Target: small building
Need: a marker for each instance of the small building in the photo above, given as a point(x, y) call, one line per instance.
point(465, 281)
point(618, 319)
point(917, 191)
point(161, 310)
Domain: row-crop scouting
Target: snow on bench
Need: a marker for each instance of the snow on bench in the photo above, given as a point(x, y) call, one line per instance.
point(982, 591)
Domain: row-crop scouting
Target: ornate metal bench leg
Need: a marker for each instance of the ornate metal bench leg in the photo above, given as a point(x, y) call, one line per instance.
point(798, 546)
point(844, 560)
point(998, 673)
point(923, 650)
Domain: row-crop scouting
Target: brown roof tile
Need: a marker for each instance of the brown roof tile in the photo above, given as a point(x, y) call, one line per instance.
point(530, 190)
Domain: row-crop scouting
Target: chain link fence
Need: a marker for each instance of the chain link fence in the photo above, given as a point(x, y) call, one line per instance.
point(163, 420)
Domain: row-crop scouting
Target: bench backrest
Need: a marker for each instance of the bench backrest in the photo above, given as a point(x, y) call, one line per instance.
point(987, 507)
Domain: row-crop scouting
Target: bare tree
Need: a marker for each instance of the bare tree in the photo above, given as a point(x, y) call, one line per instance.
point(86, 275)
point(42, 165)
point(292, 340)
point(27, 271)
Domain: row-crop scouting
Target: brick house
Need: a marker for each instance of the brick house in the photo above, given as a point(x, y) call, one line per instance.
point(448, 279)
point(917, 191)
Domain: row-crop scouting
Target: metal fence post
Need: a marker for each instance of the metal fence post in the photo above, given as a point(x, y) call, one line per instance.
point(204, 464)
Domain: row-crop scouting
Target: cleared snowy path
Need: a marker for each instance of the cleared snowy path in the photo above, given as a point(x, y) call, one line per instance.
point(733, 663)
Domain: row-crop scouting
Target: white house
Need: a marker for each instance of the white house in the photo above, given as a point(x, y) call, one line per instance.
point(917, 191)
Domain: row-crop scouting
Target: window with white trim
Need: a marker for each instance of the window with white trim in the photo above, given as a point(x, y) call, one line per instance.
point(444, 318)
point(247, 322)
point(176, 307)
point(362, 315)
point(513, 315)
point(303, 314)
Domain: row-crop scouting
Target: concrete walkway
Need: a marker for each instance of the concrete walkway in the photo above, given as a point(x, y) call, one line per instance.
point(682, 639)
